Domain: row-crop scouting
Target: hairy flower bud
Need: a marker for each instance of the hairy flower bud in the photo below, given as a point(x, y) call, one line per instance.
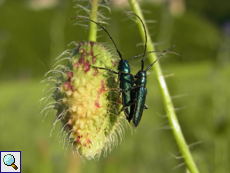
point(87, 98)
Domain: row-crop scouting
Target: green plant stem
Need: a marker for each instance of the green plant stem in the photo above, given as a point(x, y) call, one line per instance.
point(165, 94)
point(93, 16)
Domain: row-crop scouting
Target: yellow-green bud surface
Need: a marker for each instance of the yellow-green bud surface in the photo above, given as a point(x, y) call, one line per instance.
point(87, 99)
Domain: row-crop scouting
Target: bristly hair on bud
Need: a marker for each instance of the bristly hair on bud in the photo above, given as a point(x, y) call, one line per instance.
point(87, 99)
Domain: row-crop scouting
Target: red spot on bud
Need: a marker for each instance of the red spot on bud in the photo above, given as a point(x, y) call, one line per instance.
point(82, 59)
point(72, 88)
point(119, 100)
point(86, 66)
point(102, 85)
point(97, 103)
point(78, 141)
point(70, 74)
point(94, 59)
point(76, 65)
point(102, 89)
point(95, 72)
point(89, 141)
point(113, 63)
point(91, 43)
point(66, 85)
point(91, 50)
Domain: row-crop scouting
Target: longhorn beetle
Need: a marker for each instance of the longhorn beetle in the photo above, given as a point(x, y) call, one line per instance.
point(139, 91)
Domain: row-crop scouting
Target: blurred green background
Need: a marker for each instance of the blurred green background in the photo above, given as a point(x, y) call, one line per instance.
point(34, 32)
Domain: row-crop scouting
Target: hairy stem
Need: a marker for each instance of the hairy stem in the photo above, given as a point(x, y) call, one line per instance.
point(165, 94)
point(93, 16)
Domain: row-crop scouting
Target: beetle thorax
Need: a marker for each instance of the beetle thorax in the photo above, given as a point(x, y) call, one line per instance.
point(124, 66)
point(141, 78)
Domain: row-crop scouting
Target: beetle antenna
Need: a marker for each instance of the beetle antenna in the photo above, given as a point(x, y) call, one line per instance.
point(164, 52)
point(142, 60)
point(85, 18)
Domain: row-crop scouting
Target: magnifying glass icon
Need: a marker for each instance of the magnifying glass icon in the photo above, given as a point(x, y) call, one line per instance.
point(9, 160)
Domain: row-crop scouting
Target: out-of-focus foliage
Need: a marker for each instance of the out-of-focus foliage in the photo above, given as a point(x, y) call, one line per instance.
point(216, 11)
point(30, 39)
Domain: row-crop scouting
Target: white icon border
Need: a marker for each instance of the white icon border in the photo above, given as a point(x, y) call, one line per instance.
point(8, 169)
